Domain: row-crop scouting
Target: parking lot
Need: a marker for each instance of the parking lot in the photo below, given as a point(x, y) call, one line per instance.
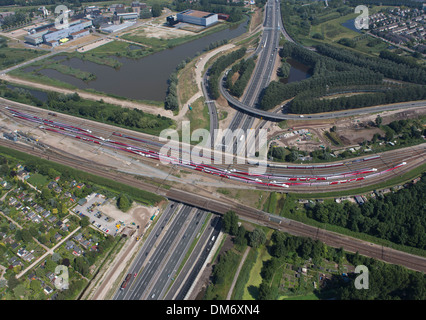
point(98, 219)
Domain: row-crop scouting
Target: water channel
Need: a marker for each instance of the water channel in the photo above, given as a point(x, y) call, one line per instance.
point(145, 78)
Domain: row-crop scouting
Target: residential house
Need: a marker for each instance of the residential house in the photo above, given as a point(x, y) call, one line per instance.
point(52, 185)
point(12, 201)
point(77, 251)
point(51, 276)
point(58, 237)
point(48, 290)
point(78, 237)
point(45, 214)
point(69, 245)
point(359, 200)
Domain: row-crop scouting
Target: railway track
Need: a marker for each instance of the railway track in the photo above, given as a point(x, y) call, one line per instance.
point(298, 177)
point(219, 206)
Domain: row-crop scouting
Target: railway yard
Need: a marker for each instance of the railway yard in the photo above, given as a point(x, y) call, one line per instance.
point(141, 153)
point(299, 178)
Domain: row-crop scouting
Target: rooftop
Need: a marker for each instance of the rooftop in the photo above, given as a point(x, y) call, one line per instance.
point(196, 13)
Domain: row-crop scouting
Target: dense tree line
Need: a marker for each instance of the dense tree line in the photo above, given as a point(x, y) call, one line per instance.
point(386, 282)
point(172, 101)
point(407, 3)
point(284, 70)
point(277, 92)
point(395, 57)
point(14, 20)
point(245, 69)
point(72, 104)
point(333, 68)
point(242, 237)
point(388, 68)
point(129, 118)
point(397, 217)
point(218, 67)
point(235, 10)
point(216, 44)
point(309, 104)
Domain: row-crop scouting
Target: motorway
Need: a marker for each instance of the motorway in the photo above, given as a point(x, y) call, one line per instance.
point(246, 107)
point(186, 278)
point(155, 268)
point(266, 55)
point(146, 249)
point(275, 116)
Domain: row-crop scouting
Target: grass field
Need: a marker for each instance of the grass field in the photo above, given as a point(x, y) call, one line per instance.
point(186, 84)
point(37, 180)
point(13, 56)
point(332, 30)
point(310, 296)
point(220, 291)
point(199, 115)
point(255, 279)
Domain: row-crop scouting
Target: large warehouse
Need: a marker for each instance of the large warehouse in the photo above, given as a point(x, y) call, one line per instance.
point(52, 36)
point(197, 17)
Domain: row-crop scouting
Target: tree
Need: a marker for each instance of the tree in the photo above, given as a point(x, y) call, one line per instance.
point(56, 257)
point(46, 194)
point(81, 266)
point(230, 223)
point(35, 285)
point(379, 121)
point(156, 10)
point(123, 203)
point(145, 14)
point(257, 237)
point(84, 222)
point(240, 238)
point(264, 291)
point(26, 235)
point(12, 282)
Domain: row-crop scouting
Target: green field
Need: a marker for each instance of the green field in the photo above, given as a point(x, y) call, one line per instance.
point(332, 30)
point(199, 115)
point(12, 56)
point(255, 279)
point(37, 180)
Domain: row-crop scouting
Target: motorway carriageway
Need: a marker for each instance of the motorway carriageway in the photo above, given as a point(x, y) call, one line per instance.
point(266, 51)
point(277, 176)
point(152, 272)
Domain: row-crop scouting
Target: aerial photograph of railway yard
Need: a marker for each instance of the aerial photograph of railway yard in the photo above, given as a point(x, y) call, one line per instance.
point(211, 156)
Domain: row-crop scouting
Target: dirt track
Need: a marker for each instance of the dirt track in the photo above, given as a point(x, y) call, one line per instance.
point(94, 97)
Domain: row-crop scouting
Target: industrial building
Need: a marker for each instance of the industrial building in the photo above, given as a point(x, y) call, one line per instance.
point(201, 18)
point(53, 37)
point(111, 28)
point(127, 15)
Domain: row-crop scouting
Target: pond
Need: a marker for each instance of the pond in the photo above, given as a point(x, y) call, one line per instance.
point(350, 24)
point(298, 72)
